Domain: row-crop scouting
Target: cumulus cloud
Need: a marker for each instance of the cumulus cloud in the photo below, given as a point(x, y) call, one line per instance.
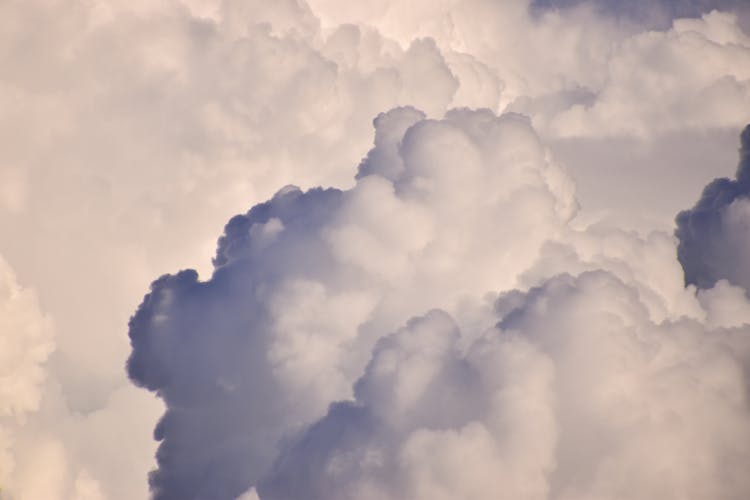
point(618, 99)
point(141, 126)
point(282, 379)
point(605, 76)
point(133, 130)
point(26, 341)
point(306, 283)
point(715, 234)
point(643, 100)
point(43, 446)
point(654, 14)
point(574, 394)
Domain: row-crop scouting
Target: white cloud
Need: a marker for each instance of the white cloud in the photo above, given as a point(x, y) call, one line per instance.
point(295, 309)
point(132, 130)
point(26, 341)
point(695, 75)
point(576, 394)
point(587, 358)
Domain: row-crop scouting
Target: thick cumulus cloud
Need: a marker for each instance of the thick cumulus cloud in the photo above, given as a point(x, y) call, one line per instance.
point(133, 129)
point(654, 101)
point(605, 77)
point(617, 99)
point(654, 13)
point(715, 234)
point(283, 380)
point(306, 283)
point(138, 117)
point(142, 126)
point(26, 341)
point(575, 393)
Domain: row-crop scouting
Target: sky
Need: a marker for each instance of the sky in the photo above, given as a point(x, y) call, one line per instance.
point(403, 250)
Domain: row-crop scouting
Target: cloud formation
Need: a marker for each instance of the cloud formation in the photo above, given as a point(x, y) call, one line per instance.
point(306, 283)
point(282, 378)
point(26, 341)
point(132, 130)
point(715, 234)
point(574, 394)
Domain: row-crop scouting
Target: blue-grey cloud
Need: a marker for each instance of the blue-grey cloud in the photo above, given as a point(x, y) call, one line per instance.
point(202, 347)
point(714, 235)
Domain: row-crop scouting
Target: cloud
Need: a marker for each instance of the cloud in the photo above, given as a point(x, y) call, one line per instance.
point(637, 97)
point(133, 130)
point(651, 14)
point(714, 235)
point(141, 126)
point(306, 283)
point(282, 377)
point(26, 342)
point(606, 77)
point(574, 394)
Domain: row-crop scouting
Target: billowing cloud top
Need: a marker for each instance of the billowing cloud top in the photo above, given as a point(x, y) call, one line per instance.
point(306, 283)
point(282, 378)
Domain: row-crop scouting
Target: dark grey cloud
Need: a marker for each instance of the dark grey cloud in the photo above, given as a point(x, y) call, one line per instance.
point(201, 346)
point(714, 235)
